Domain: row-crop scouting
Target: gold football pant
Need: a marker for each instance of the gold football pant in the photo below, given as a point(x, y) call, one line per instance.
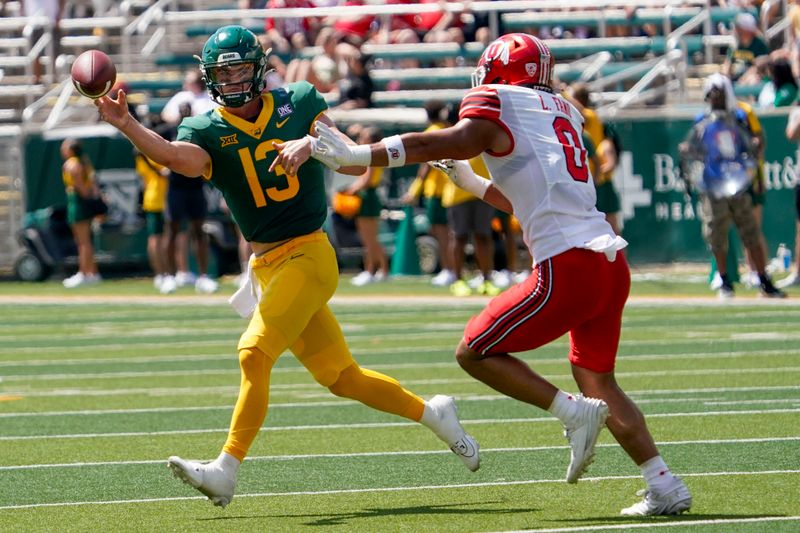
point(296, 281)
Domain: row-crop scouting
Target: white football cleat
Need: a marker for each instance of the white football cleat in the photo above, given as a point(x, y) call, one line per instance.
point(210, 479)
point(674, 500)
point(441, 416)
point(582, 435)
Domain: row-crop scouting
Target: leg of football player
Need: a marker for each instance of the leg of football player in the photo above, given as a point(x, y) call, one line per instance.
point(217, 479)
point(322, 349)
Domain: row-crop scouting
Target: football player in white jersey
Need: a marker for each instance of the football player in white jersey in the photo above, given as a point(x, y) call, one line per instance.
point(530, 139)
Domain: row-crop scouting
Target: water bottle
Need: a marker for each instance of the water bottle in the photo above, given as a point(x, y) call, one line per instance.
point(784, 256)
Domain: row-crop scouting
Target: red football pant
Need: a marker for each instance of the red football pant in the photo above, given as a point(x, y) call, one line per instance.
point(578, 291)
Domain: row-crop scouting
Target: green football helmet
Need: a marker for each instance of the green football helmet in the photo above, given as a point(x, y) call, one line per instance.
point(226, 55)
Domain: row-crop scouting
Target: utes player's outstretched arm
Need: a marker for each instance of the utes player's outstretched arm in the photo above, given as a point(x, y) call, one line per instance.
point(467, 139)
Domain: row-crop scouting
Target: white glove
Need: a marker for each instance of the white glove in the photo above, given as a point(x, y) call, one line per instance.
point(317, 154)
point(334, 148)
point(460, 172)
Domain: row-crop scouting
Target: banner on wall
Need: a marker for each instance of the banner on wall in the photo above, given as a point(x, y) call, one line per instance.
point(661, 223)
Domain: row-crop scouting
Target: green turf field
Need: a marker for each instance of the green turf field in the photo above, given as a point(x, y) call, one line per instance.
point(100, 386)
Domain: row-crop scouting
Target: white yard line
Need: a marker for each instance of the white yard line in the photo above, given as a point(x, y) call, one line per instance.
point(346, 402)
point(210, 372)
point(389, 489)
point(686, 522)
point(365, 425)
point(301, 457)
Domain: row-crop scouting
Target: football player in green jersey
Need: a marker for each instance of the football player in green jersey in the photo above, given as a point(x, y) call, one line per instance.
point(255, 149)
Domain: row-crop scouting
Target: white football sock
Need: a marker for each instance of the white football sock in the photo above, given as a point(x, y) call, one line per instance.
point(656, 473)
point(564, 407)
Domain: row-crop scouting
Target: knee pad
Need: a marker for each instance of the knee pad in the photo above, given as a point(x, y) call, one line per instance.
point(254, 360)
point(345, 380)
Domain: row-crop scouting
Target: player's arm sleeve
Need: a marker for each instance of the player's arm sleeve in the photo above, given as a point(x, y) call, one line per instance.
point(483, 102)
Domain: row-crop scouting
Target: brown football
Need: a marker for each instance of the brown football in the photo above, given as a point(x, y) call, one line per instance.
point(93, 73)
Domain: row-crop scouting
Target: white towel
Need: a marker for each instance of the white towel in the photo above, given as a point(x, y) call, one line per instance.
point(245, 300)
point(607, 244)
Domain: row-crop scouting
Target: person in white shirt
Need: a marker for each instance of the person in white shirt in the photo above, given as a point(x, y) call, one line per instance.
point(530, 139)
point(194, 93)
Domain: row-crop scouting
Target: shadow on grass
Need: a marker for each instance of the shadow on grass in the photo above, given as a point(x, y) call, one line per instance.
point(335, 519)
point(687, 517)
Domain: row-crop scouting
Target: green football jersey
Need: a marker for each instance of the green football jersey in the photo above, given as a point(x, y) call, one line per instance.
point(267, 206)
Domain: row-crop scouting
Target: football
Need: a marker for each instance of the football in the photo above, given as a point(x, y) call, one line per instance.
point(93, 73)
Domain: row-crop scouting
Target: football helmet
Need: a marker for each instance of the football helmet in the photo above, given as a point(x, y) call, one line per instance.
point(226, 57)
point(515, 59)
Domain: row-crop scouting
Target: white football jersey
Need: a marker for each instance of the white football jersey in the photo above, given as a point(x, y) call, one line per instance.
point(545, 174)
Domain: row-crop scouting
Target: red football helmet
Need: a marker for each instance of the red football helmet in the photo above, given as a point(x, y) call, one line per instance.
point(515, 59)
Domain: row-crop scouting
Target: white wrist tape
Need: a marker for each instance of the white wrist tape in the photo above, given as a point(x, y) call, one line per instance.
point(469, 181)
point(395, 151)
point(361, 155)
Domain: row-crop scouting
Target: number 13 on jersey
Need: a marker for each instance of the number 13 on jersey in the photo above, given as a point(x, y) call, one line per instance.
point(248, 164)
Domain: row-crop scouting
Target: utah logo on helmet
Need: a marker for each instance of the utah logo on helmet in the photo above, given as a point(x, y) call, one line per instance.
point(228, 48)
point(515, 59)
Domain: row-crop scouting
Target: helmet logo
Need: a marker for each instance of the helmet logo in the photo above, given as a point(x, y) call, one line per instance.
point(228, 56)
point(531, 68)
point(498, 50)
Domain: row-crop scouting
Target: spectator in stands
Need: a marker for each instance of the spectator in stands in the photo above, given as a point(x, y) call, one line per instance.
point(326, 69)
point(52, 10)
point(376, 266)
point(749, 45)
point(781, 89)
point(794, 39)
point(156, 181)
point(299, 32)
point(431, 182)
point(82, 194)
point(355, 29)
point(356, 88)
point(724, 149)
point(468, 216)
point(276, 75)
point(793, 134)
point(194, 93)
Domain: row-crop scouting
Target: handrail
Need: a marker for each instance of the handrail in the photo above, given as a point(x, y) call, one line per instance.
point(30, 110)
point(666, 64)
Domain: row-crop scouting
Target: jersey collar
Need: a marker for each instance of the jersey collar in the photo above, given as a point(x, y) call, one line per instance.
point(253, 129)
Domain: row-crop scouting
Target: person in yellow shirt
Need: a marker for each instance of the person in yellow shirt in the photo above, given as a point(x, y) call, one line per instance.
point(430, 183)
point(469, 215)
point(376, 266)
point(156, 182)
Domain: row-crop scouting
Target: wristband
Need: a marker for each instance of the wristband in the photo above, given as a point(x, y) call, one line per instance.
point(395, 151)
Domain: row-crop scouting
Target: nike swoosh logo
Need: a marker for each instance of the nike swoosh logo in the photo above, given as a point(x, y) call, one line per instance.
point(282, 122)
